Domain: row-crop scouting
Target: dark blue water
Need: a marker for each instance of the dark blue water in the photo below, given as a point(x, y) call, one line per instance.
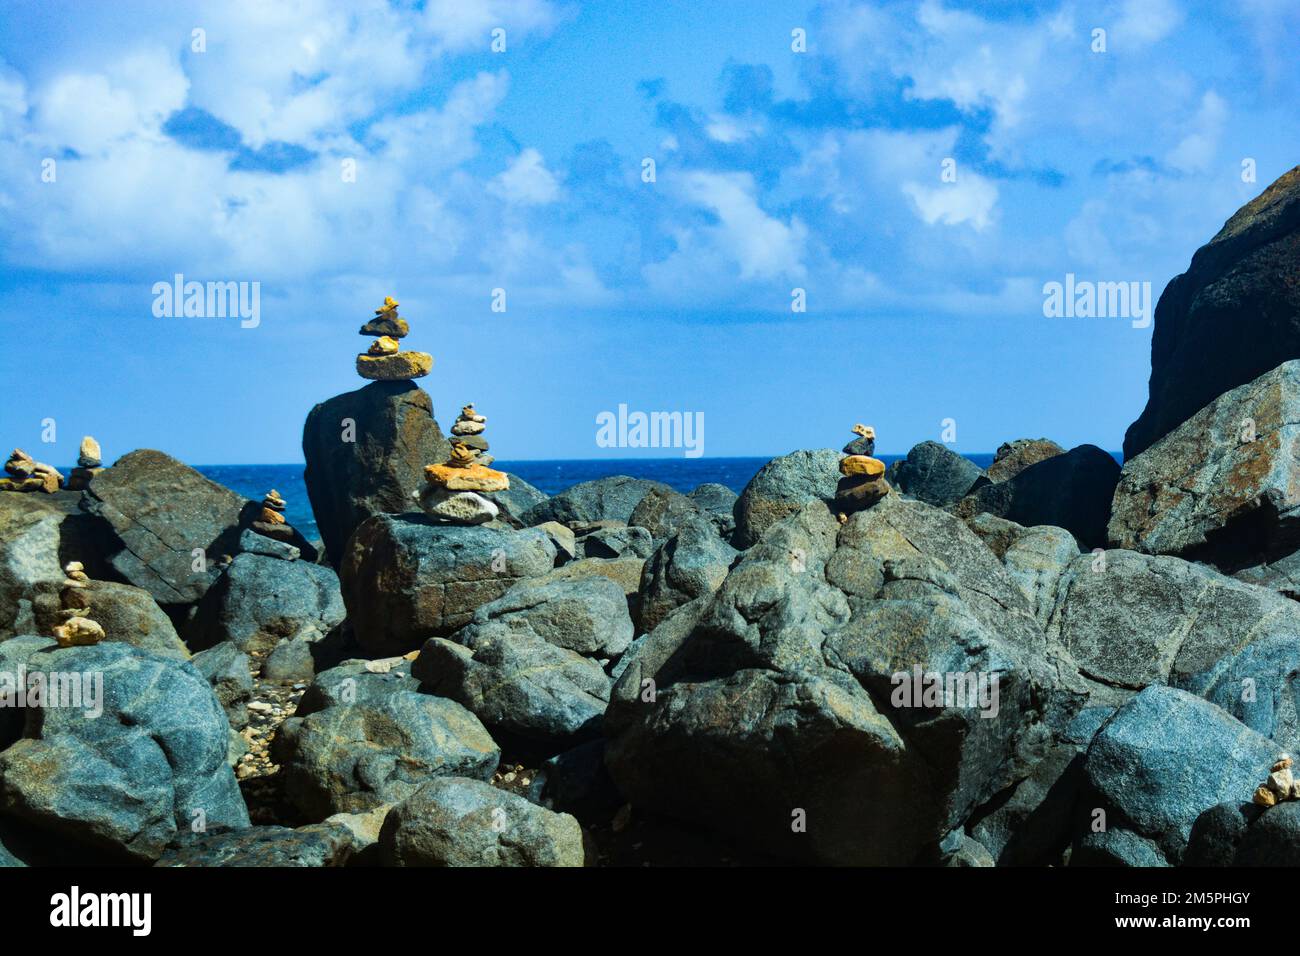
point(253, 481)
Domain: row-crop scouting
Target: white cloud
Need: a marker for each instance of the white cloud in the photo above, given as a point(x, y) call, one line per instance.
point(1143, 22)
point(969, 200)
point(762, 246)
point(526, 181)
point(1195, 152)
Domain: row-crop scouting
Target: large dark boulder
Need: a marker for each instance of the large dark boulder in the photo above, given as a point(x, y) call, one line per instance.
point(1162, 760)
point(259, 601)
point(453, 821)
point(719, 503)
point(1232, 316)
point(662, 513)
point(604, 499)
point(781, 488)
point(1071, 491)
point(1221, 486)
point(395, 436)
point(151, 765)
point(406, 579)
point(772, 701)
point(171, 526)
point(1013, 457)
point(934, 473)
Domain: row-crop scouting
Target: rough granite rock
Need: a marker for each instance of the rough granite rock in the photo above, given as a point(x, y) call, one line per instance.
point(774, 695)
point(934, 473)
point(1221, 486)
point(1013, 457)
point(613, 498)
point(127, 614)
point(1036, 560)
point(515, 501)
point(127, 782)
point(691, 563)
point(781, 488)
point(227, 669)
point(406, 579)
point(1232, 316)
point(1163, 759)
point(661, 513)
point(375, 742)
point(458, 822)
point(315, 845)
point(620, 542)
point(625, 572)
point(259, 601)
point(718, 502)
point(161, 511)
point(39, 534)
point(395, 436)
point(1071, 491)
point(1218, 831)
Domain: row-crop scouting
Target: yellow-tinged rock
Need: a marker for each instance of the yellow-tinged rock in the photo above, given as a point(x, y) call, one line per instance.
point(864, 431)
point(1265, 797)
point(462, 455)
point(78, 632)
point(389, 305)
point(398, 367)
point(271, 516)
point(473, 478)
point(384, 345)
point(861, 465)
point(1284, 763)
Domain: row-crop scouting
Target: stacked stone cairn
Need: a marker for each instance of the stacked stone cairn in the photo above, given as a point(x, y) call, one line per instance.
point(76, 628)
point(450, 494)
point(89, 464)
point(864, 481)
point(271, 521)
point(384, 361)
point(1281, 785)
point(27, 474)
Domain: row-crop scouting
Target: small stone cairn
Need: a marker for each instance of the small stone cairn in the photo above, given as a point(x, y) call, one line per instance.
point(27, 474)
point(864, 481)
point(450, 494)
point(1281, 785)
point(384, 361)
point(89, 464)
point(76, 627)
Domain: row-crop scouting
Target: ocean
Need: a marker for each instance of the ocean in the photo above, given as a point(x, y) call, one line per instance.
point(253, 481)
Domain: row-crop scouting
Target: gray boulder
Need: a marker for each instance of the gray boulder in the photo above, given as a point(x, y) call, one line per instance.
point(315, 845)
point(1071, 491)
point(1232, 316)
point(458, 822)
point(406, 579)
point(1272, 838)
point(618, 542)
point(127, 614)
point(604, 499)
point(718, 502)
point(516, 500)
point(1220, 487)
point(1163, 759)
point(662, 512)
point(1217, 833)
point(588, 616)
point(152, 765)
point(253, 543)
point(934, 473)
point(161, 511)
point(226, 668)
point(259, 601)
point(692, 562)
point(781, 488)
point(365, 452)
point(1013, 457)
point(375, 742)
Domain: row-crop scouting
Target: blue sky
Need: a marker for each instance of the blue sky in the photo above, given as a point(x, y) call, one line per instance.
point(522, 170)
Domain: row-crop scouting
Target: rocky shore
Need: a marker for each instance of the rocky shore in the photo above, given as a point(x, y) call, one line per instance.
point(1053, 661)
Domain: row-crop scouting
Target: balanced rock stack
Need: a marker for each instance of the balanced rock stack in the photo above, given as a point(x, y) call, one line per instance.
point(1281, 785)
point(468, 431)
point(864, 481)
point(89, 464)
point(76, 628)
point(271, 521)
point(449, 494)
point(28, 474)
point(384, 361)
